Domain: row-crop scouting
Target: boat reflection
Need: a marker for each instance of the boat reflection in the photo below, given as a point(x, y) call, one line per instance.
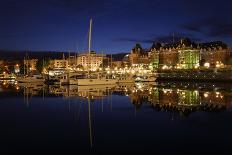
point(178, 100)
point(95, 92)
point(182, 98)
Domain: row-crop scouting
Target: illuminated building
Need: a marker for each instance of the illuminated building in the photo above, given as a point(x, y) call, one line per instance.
point(138, 56)
point(188, 58)
point(2, 62)
point(168, 57)
point(154, 58)
point(31, 64)
point(90, 61)
point(215, 56)
point(189, 55)
point(59, 63)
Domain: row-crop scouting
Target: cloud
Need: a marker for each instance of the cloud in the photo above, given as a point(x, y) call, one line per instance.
point(211, 27)
point(158, 38)
point(134, 40)
point(176, 36)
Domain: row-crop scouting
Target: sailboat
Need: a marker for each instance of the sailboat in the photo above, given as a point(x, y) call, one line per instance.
point(34, 78)
point(91, 79)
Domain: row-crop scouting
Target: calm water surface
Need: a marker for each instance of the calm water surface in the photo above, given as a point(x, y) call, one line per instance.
point(167, 118)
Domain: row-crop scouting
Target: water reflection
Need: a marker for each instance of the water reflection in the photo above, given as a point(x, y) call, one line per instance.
point(182, 98)
point(105, 104)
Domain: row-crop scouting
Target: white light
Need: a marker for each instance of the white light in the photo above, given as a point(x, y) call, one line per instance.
point(206, 95)
point(207, 65)
point(165, 67)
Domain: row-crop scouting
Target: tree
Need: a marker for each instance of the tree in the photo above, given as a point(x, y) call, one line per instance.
point(156, 46)
point(42, 64)
point(187, 42)
point(21, 69)
point(80, 67)
point(11, 69)
point(138, 46)
point(2, 68)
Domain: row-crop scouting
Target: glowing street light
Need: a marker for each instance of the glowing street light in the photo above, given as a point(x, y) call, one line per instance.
point(207, 65)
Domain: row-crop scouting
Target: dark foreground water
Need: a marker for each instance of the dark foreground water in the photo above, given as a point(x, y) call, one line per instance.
point(164, 118)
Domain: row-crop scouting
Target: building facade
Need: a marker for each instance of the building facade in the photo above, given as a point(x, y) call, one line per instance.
point(59, 64)
point(215, 56)
point(138, 56)
point(92, 61)
point(188, 55)
point(188, 59)
point(31, 64)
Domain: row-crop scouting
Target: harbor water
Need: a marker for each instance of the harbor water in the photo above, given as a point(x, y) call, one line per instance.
point(141, 118)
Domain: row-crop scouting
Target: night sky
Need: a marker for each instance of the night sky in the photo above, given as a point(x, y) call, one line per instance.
point(62, 25)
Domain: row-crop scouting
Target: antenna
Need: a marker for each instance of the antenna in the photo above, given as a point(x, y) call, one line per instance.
point(173, 38)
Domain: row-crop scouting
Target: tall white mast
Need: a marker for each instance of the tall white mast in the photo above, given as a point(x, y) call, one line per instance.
point(90, 65)
point(90, 34)
point(90, 37)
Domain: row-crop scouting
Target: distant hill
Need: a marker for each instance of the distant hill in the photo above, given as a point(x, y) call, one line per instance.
point(117, 57)
point(19, 55)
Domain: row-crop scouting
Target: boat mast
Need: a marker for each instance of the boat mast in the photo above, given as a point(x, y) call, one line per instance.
point(90, 37)
point(27, 62)
point(24, 66)
point(102, 61)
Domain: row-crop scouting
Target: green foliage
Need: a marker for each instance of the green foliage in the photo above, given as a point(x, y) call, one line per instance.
point(138, 46)
point(42, 64)
point(156, 46)
point(80, 67)
point(2, 68)
point(11, 69)
point(23, 70)
point(229, 61)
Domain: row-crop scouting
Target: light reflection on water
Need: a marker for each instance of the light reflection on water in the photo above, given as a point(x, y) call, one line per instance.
point(121, 117)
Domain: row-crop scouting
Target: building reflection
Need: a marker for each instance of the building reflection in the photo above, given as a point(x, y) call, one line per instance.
point(182, 100)
point(179, 98)
point(74, 91)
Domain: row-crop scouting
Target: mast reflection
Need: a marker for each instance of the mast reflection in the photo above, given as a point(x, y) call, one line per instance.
point(182, 98)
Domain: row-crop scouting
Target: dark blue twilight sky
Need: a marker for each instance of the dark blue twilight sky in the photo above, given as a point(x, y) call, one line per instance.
point(62, 25)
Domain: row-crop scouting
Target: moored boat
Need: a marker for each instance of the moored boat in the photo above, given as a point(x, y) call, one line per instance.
point(145, 78)
point(30, 79)
point(8, 77)
point(125, 80)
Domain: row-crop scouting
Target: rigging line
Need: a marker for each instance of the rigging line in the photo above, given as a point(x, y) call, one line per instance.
point(84, 42)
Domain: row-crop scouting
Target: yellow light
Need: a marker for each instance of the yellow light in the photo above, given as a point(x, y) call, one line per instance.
point(165, 67)
point(196, 66)
point(206, 95)
point(207, 65)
